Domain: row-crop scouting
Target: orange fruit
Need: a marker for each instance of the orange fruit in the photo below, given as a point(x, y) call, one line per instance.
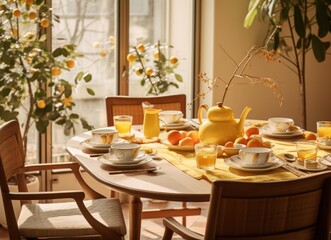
point(131, 57)
point(187, 142)
point(183, 134)
point(141, 47)
point(173, 60)
point(41, 104)
point(251, 131)
point(194, 134)
point(17, 12)
point(254, 143)
point(32, 15)
point(310, 136)
point(56, 71)
point(149, 71)
point(174, 137)
point(241, 140)
point(229, 144)
point(44, 22)
point(29, 2)
point(70, 63)
point(267, 144)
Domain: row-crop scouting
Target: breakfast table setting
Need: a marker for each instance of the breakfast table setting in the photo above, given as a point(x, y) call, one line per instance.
point(177, 159)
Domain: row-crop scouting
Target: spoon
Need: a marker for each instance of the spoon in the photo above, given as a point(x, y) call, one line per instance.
point(289, 157)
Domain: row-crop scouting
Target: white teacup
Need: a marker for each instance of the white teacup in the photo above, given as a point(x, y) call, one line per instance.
point(104, 136)
point(280, 124)
point(124, 151)
point(254, 155)
point(170, 116)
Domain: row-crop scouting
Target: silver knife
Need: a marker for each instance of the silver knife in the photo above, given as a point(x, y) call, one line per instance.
point(151, 169)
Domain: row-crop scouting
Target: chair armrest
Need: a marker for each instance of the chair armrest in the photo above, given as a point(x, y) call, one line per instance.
point(77, 195)
point(174, 226)
point(71, 165)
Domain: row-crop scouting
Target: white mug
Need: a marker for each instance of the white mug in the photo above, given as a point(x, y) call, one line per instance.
point(280, 124)
point(124, 151)
point(170, 116)
point(104, 136)
point(254, 155)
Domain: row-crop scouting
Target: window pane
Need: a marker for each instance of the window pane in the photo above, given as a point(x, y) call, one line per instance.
point(90, 25)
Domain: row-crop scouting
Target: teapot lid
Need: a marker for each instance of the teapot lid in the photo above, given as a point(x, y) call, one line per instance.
point(220, 113)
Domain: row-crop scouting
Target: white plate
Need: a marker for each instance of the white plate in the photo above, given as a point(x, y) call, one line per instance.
point(164, 140)
point(326, 160)
point(320, 167)
point(105, 161)
point(176, 125)
point(233, 162)
point(141, 156)
point(265, 130)
point(87, 143)
point(323, 146)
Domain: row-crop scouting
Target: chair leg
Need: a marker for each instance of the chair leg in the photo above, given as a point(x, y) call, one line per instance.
point(184, 205)
point(167, 234)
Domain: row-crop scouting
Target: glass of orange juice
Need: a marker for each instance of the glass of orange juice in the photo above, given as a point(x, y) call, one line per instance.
point(324, 130)
point(306, 150)
point(205, 155)
point(123, 124)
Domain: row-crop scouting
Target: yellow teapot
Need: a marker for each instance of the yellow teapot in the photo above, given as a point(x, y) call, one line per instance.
point(221, 126)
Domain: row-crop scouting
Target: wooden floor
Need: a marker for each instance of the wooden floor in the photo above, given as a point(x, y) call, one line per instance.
point(153, 228)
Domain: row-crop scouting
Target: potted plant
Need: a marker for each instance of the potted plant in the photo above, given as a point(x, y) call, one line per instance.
point(300, 26)
point(32, 83)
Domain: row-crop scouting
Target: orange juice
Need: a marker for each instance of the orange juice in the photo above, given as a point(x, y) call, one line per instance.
point(123, 127)
point(307, 154)
point(324, 131)
point(206, 160)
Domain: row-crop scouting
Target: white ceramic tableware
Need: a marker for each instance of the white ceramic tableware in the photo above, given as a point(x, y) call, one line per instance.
point(170, 116)
point(280, 124)
point(104, 136)
point(254, 155)
point(124, 151)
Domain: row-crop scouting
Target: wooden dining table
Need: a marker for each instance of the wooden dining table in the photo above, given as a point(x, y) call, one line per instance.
point(170, 182)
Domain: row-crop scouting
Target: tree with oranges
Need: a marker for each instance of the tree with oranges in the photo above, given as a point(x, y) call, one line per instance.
point(153, 68)
point(31, 75)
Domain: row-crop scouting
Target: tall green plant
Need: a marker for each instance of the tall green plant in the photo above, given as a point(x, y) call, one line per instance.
point(31, 75)
point(308, 23)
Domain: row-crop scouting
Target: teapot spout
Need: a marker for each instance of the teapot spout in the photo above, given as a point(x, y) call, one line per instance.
point(242, 119)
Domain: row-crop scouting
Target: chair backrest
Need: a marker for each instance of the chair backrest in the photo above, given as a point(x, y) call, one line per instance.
point(125, 105)
point(294, 209)
point(11, 161)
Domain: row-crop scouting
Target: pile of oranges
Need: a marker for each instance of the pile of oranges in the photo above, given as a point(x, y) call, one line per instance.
point(183, 138)
point(252, 139)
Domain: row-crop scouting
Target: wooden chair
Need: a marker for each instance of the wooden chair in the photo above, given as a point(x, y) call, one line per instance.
point(99, 218)
point(282, 210)
point(125, 105)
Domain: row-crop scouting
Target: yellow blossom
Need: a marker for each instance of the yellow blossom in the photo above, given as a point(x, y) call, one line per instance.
point(67, 101)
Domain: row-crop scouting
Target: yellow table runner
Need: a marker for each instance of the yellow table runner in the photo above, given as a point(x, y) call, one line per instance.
point(186, 162)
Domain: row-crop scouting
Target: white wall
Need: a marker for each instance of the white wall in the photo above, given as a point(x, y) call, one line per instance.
point(223, 24)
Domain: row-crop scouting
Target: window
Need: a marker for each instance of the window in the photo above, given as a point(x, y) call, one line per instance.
point(92, 25)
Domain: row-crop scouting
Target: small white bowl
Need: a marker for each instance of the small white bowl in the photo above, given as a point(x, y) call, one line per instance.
point(280, 124)
point(104, 136)
point(170, 116)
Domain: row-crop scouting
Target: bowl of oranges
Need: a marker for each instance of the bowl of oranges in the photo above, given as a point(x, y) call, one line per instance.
point(180, 139)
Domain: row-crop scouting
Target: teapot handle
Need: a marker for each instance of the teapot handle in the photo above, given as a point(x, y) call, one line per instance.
point(203, 106)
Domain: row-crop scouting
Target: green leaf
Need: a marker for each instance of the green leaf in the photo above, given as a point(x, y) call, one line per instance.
point(73, 116)
point(252, 12)
point(43, 38)
point(85, 124)
point(41, 125)
point(79, 77)
point(53, 116)
point(57, 52)
point(90, 91)
point(67, 127)
point(87, 77)
point(322, 18)
point(61, 121)
point(8, 115)
point(298, 22)
point(318, 48)
point(178, 77)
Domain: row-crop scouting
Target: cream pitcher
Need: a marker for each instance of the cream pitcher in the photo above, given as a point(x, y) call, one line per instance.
point(151, 125)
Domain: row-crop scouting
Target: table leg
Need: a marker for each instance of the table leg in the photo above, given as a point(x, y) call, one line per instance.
point(135, 210)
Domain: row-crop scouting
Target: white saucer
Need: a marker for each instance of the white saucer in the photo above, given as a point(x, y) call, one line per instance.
point(141, 156)
point(326, 160)
point(320, 167)
point(87, 143)
point(105, 161)
point(323, 146)
point(273, 163)
point(265, 130)
point(179, 125)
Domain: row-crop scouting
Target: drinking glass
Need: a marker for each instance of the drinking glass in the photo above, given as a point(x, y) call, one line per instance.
point(324, 129)
point(306, 150)
point(205, 155)
point(123, 124)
